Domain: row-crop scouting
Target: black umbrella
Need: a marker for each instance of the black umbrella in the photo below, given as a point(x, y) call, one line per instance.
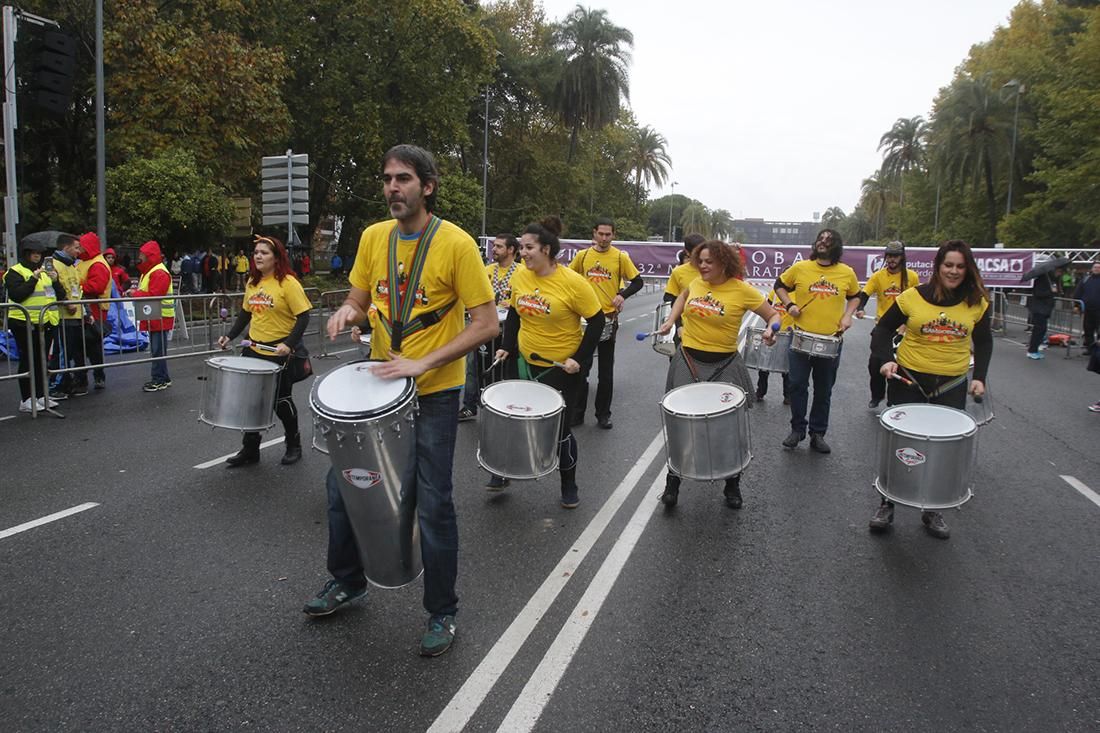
point(41, 240)
point(1044, 267)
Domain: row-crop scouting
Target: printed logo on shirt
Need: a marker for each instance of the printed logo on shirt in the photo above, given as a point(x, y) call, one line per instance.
point(892, 292)
point(260, 301)
point(944, 329)
point(533, 304)
point(382, 290)
point(823, 289)
point(707, 306)
point(598, 274)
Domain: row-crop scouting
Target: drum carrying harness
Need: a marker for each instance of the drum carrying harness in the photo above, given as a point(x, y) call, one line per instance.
point(401, 323)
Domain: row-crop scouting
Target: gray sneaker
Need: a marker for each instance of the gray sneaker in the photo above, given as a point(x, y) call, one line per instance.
point(883, 517)
point(331, 597)
point(935, 525)
point(439, 636)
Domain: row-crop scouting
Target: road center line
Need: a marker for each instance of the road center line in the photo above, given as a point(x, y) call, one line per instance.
point(216, 461)
point(1085, 490)
point(46, 520)
point(7, 417)
point(540, 687)
point(477, 686)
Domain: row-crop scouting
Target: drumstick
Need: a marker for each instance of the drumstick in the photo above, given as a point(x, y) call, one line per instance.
point(261, 347)
point(536, 357)
point(494, 364)
point(901, 379)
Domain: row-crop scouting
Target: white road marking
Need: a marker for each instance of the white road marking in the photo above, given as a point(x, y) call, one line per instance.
point(46, 520)
point(1085, 490)
point(477, 686)
point(1014, 341)
point(540, 687)
point(216, 461)
point(7, 417)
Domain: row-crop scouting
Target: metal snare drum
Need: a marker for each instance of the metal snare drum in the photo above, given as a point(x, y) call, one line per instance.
point(608, 328)
point(519, 423)
point(926, 455)
point(239, 393)
point(368, 425)
point(666, 344)
point(502, 315)
point(982, 411)
point(758, 355)
point(364, 345)
point(815, 344)
point(706, 428)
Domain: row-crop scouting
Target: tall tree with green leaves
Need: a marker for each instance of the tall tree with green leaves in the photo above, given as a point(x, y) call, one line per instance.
point(903, 150)
point(594, 81)
point(832, 217)
point(648, 160)
point(875, 200)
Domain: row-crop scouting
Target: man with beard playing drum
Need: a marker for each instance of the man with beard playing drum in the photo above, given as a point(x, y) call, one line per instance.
point(886, 284)
point(414, 275)
point(543, 331)
point(711, 308)
point(941, 319)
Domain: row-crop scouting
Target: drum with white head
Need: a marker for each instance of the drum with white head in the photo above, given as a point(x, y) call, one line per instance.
point(239, 393)
point(706, 428)
point(519, 422)
point(926, 455)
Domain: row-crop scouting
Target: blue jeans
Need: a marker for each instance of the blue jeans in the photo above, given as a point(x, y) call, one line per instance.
point(471, 393)
point(436, 431)
point(802, 367)
point(158, 347)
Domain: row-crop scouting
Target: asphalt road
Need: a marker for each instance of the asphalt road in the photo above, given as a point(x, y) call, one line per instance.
point(175, 602)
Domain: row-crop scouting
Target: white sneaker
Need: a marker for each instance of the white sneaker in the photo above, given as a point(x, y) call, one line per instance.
point(25, 405)
point(44, 404)
point(50, 402)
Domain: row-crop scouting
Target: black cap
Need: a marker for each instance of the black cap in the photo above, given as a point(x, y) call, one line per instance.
point(895, 248)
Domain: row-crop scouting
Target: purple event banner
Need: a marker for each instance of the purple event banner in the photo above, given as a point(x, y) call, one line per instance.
point(1001, 268)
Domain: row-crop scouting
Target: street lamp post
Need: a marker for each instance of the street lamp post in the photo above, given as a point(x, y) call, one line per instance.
point(485, 168)
point(1020, 89)
point(671, 202)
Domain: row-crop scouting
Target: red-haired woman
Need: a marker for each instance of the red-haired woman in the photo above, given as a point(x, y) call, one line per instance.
point(942, 319)
point(275, 312)
point(711, 308)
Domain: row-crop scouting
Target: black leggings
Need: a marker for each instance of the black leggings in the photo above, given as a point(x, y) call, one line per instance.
point(569, 386)
point(285, 409)
point(30, 357)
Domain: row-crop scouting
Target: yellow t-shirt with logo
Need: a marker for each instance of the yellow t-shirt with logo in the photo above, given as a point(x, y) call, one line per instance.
point(453, 273)
point(501, 282)
point(242, 265)
point(712, 314)
point(821, 293)
point(785, 320)
point(608, 272)
point(680, 277)
point(886, 287)
point(274, 306)
point(550, 311)
point(937, 337)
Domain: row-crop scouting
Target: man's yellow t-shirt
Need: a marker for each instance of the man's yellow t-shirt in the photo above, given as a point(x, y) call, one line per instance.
point(550, 311)
point(242, 265)
point(712, 314)
point(274, 306)
point(886, 287)
point(501, 280)
point(785, 320)
point(452, 274)
point(680, 277)
point(608, 272)
point(821, 293)
point(937, 338)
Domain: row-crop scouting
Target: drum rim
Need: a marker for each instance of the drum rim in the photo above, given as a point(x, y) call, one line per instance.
point(733, 408)
point(526, 382)
point(268, 368)
point(818, 336)
point(973, 430)
point(407, 394)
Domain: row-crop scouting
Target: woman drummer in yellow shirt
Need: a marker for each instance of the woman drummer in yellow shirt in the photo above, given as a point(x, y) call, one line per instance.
point(543, 331)
point(712, 307)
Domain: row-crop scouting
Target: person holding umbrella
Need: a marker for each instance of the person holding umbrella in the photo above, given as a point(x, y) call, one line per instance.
point(36, 288)
point(942, 319)
point(1040, 304)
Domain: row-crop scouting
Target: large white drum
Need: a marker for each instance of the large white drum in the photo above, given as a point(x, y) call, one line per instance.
point(239, 393)
point(706, 429)
point(519, 422)
point(926, 455)
point(367, 427)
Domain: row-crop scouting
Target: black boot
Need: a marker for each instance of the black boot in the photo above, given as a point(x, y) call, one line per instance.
point(249, 452)
point(293, 452)
point(569, 496)
point(672, 490)
point(732, 492)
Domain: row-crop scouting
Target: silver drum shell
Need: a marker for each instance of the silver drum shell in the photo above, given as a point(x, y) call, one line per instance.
point(815, 344)
point(237, 395)
point(518, 446)
point(943, 477)
point(666, 344)
point(758, 355)
point(371, 457)
point(707, 447)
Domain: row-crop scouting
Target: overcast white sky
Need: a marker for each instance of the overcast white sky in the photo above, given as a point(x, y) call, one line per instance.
point(775, 109)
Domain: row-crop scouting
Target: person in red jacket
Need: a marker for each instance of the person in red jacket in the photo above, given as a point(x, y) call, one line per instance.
point(95, 284)
point(156, 280)
point(118, 272)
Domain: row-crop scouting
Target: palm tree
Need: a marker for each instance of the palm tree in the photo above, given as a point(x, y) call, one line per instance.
point(594, 79)
point(648, 160)
point(874, 196)
point(832, 217)
point(904, 150)
point(696, 219)
point(973, 126)
point(721, 224)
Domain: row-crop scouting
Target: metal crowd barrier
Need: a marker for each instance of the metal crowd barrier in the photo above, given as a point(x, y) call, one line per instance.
point(330, 300)
point(11, 366)
point(1011, 309)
